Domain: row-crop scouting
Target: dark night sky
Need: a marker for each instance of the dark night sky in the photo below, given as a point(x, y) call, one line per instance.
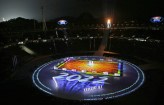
point(98, 8)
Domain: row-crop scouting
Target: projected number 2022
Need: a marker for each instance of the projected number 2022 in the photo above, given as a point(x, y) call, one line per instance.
point(79, 78)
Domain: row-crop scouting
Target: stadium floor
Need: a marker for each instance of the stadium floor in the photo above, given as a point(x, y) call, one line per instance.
point(20, 90)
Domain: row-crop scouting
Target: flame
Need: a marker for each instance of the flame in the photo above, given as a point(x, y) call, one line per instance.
point(108, 21)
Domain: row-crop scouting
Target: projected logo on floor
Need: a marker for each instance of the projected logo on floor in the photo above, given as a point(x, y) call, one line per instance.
point(88, 78)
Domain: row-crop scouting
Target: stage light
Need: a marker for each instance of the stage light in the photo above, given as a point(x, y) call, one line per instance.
point(62, 22)
point(156, 19)
point(3, 19)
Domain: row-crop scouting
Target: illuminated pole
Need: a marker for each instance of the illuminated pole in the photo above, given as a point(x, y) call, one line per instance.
point(44, 27)
point(42, 8)
point(105, 39)
point(108, 27)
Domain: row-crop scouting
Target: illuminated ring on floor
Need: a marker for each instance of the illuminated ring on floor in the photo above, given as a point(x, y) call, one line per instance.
point(80, 86)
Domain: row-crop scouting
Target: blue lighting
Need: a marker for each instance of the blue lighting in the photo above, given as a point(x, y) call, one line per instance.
point(80, 86)
point(156, 19)
point(62, 22)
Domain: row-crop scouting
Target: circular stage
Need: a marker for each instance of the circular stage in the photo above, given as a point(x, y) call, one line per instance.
point(88, 78)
